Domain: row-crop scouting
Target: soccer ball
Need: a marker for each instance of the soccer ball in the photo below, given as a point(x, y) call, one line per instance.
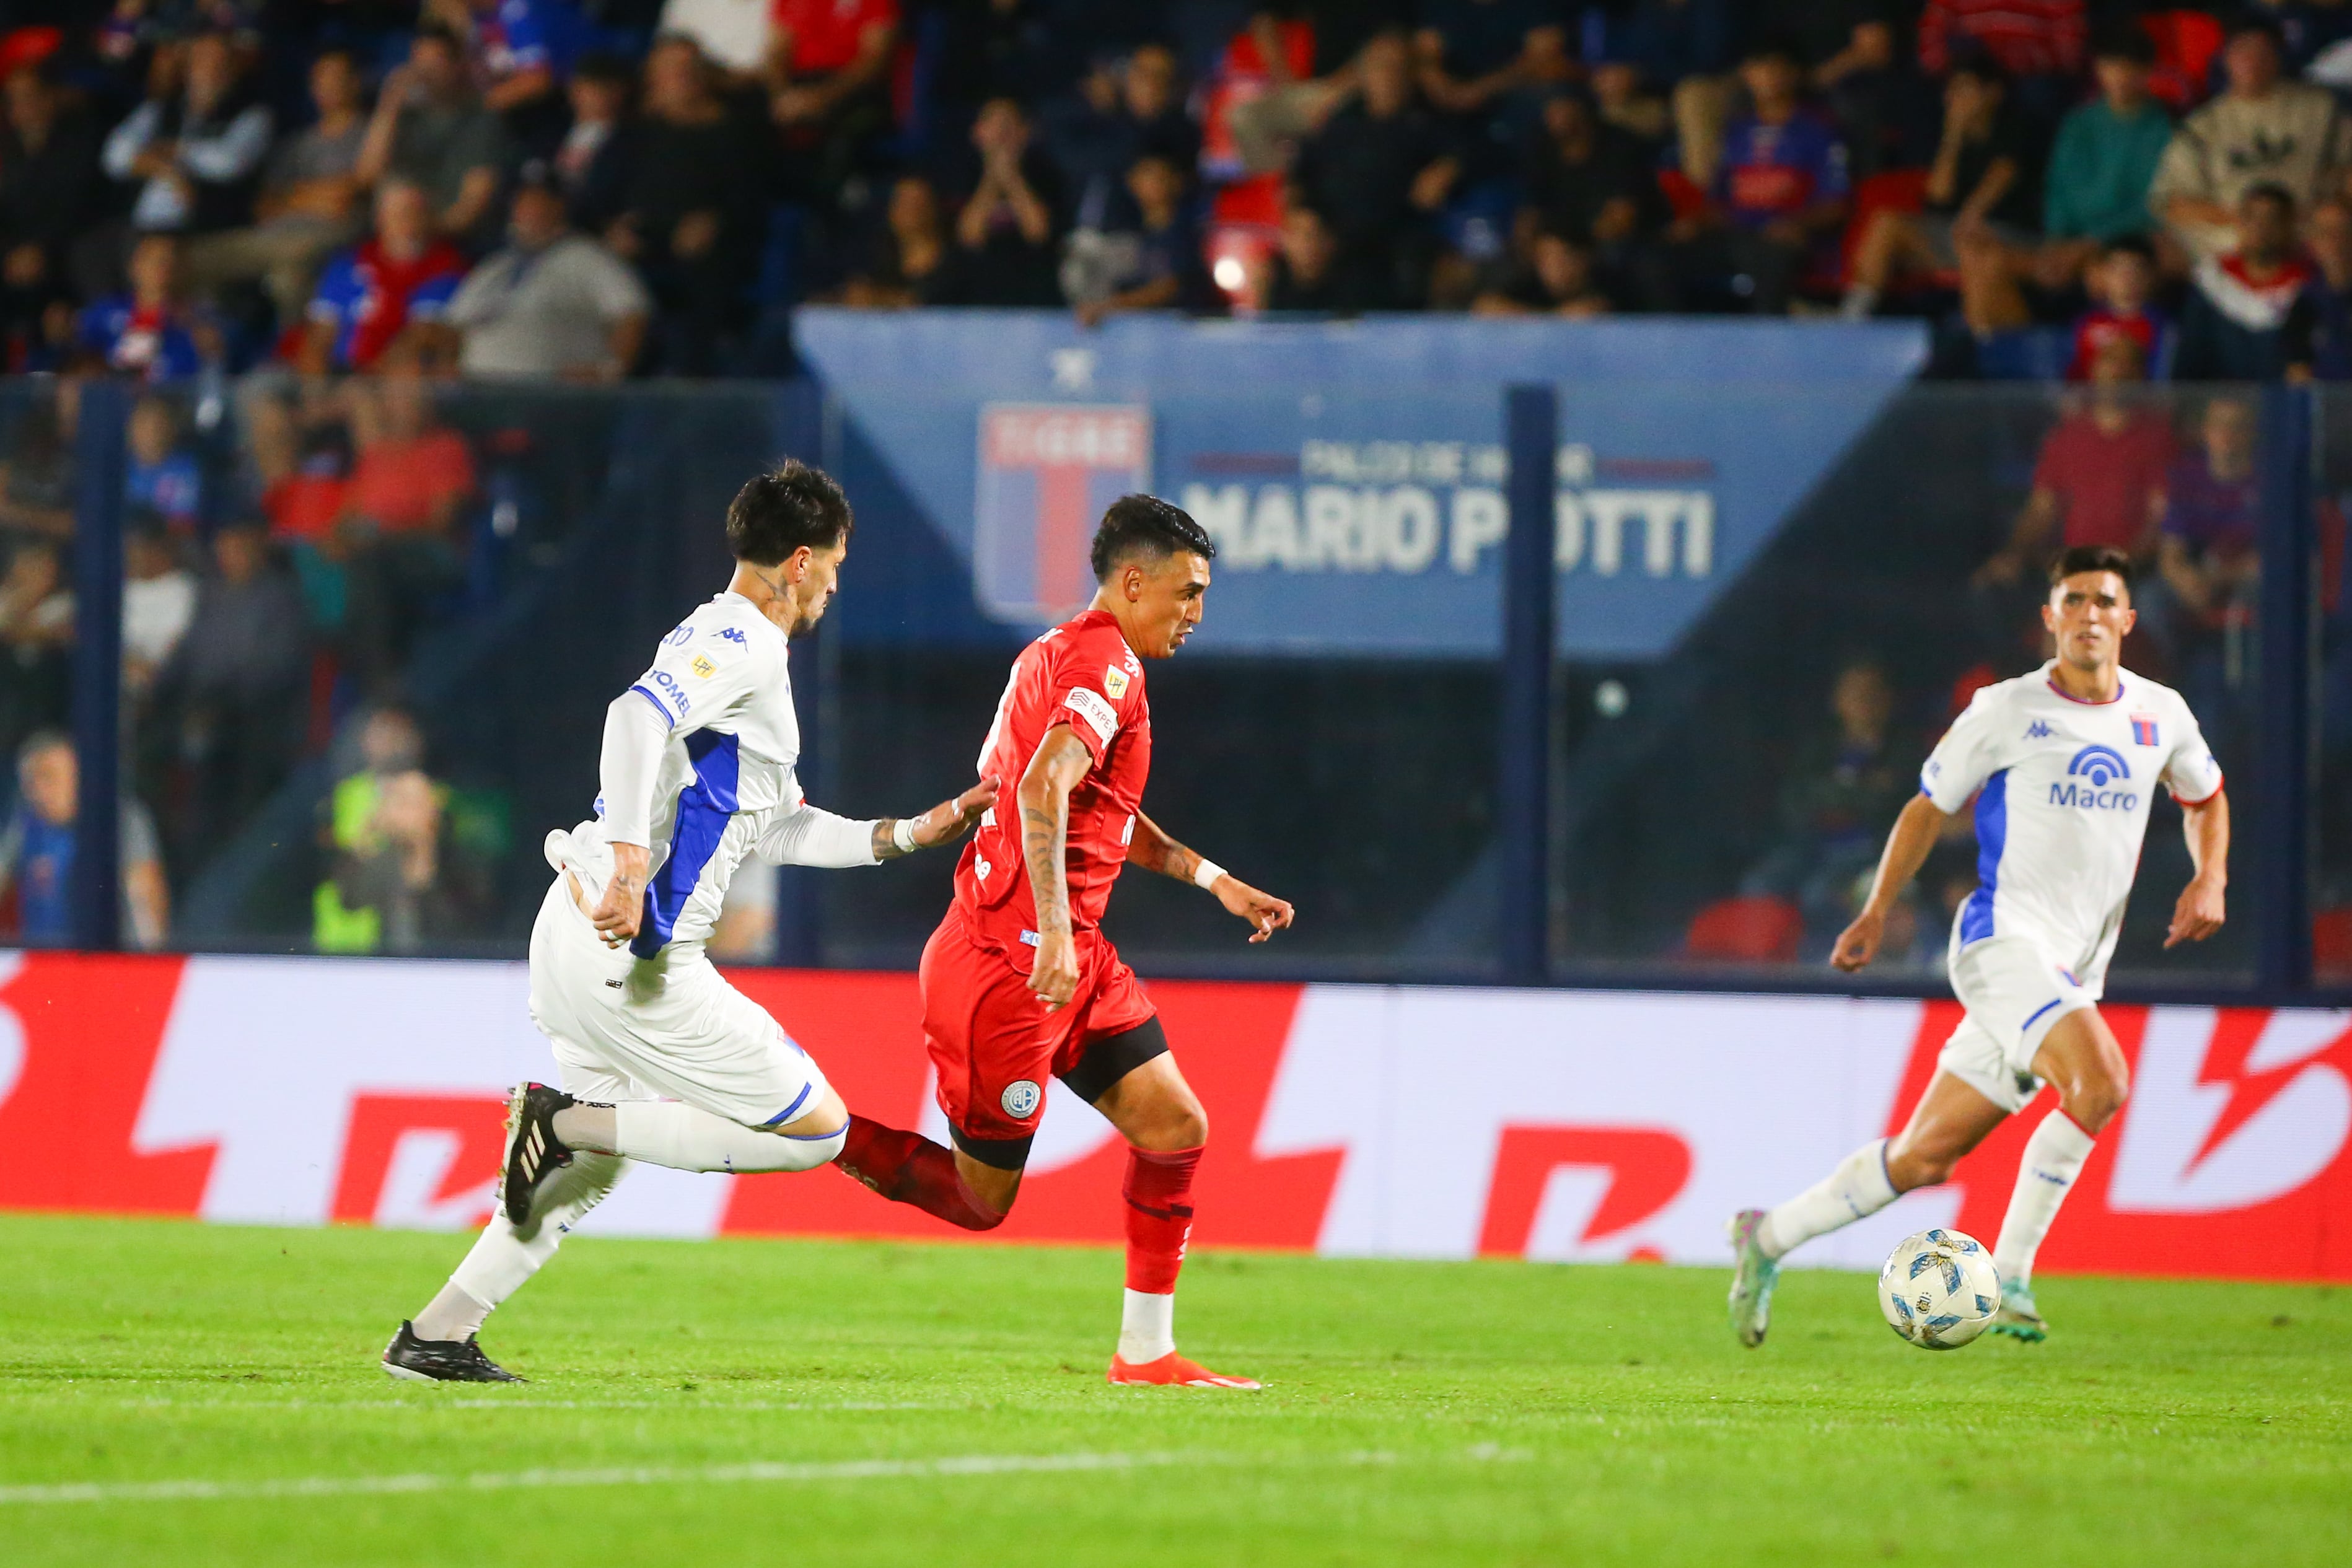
point(1939, 1289)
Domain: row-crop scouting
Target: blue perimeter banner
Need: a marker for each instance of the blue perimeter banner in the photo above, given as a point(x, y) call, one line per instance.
point(1352, 473)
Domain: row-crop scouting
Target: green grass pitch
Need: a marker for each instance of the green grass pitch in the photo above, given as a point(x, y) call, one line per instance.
point(843, 1404)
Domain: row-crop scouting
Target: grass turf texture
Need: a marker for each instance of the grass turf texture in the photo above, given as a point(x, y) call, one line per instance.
point(1487, 1413)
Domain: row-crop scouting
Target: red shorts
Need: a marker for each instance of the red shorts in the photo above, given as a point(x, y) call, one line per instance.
point(994, 1043)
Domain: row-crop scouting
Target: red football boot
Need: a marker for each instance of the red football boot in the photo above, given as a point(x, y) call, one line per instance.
point(1172, 1370)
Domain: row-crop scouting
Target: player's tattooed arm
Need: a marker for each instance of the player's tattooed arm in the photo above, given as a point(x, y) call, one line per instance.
point(1061, 759)
point(942, 824)
point(1151, 848)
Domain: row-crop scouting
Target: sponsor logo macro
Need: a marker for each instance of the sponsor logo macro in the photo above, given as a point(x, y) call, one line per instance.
point(1413, 507)
point(2097, 768)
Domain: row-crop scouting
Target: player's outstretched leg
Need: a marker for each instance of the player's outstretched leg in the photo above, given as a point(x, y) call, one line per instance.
point(1950, 1119)
point(906, 1167)
point(2082, 1062)
point(1166, 1131)
point(1858, 1187)
point(438, 1344)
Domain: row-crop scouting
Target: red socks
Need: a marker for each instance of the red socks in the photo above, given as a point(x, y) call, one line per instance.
point(1159, 1192)
point(906, 1167)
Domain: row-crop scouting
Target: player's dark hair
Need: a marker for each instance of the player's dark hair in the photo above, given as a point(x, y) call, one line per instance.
point(2130, 244)
point(790, 506)
point(1147, 528)
point(440, 34)
point(2091, 558)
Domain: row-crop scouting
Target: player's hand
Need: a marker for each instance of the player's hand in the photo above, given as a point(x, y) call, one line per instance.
point(2197, 914)
point(1054, 975)
point(617, 913)
point(951, 820)
point(1262, 910)
point(1857, 944)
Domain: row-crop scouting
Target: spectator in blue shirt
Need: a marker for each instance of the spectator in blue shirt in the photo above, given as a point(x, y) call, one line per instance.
point(1781, 193)
point(2318, 338)
point(147, 333)
point(161, 479)
point(37, 852)
point(520, 49)
point(395, 285)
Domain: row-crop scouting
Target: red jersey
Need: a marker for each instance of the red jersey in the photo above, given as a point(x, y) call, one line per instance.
point(2106, 484)
point(827, 33)
point(1081, 673)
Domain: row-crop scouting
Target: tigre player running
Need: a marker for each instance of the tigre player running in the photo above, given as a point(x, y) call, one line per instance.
point(2063, 763)
point(1019, 981)
point(669, 1062)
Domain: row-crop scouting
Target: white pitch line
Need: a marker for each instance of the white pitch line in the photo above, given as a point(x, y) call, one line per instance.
point(657, 1475)
point(427, 1402)
point(652, 1475)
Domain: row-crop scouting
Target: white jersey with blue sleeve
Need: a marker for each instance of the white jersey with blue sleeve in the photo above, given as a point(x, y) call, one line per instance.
point(2063, 792)
point(698, 766)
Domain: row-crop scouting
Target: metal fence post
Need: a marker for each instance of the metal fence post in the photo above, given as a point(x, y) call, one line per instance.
point(97, 898)
point(1531, 431)
point(800, 892)
point(2282, 760)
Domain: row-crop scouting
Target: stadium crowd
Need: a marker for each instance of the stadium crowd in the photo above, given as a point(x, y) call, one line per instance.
point(354, 205)
point(595, 188)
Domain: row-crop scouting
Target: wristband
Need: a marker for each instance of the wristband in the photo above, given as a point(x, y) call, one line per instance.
point(902, 834)
point(1206, 873)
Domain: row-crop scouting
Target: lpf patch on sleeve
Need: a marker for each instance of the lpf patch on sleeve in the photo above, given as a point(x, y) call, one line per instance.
point(702, 666)
point(1113, 681)
point(1090, 705)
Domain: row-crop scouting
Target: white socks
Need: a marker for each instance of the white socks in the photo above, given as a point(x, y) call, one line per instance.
point(503, 1258)
point(1146, 1327)
point(665, 1133)
point(453, 1314)
point(1857, 1188)
point(660, 1132)
point(2053, 1159)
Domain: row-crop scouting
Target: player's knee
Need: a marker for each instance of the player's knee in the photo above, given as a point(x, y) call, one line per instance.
point(2097, 1098)
point(810, 1150)
point(1926, 1166)
point(1183, 1125)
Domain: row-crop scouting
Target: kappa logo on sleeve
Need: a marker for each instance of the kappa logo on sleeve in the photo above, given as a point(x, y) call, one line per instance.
point(1090, 706)
point(1113, 681)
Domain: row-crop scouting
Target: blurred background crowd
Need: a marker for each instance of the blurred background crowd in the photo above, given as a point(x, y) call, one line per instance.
point(327, 245)
point(599, 188)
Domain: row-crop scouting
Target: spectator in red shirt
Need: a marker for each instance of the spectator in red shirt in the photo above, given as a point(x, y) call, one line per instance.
point(400, 524)
point(828, 69)
point(2101, 477)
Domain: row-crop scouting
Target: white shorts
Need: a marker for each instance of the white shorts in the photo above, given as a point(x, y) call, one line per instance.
point(2014, 992)
point(668, 1028)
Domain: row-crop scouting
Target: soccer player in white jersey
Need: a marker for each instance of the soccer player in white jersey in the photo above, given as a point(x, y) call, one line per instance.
point(661, 1059)
point(2064, 765)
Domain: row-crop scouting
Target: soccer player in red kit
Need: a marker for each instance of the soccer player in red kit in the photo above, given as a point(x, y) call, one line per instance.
point(1019, 981)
